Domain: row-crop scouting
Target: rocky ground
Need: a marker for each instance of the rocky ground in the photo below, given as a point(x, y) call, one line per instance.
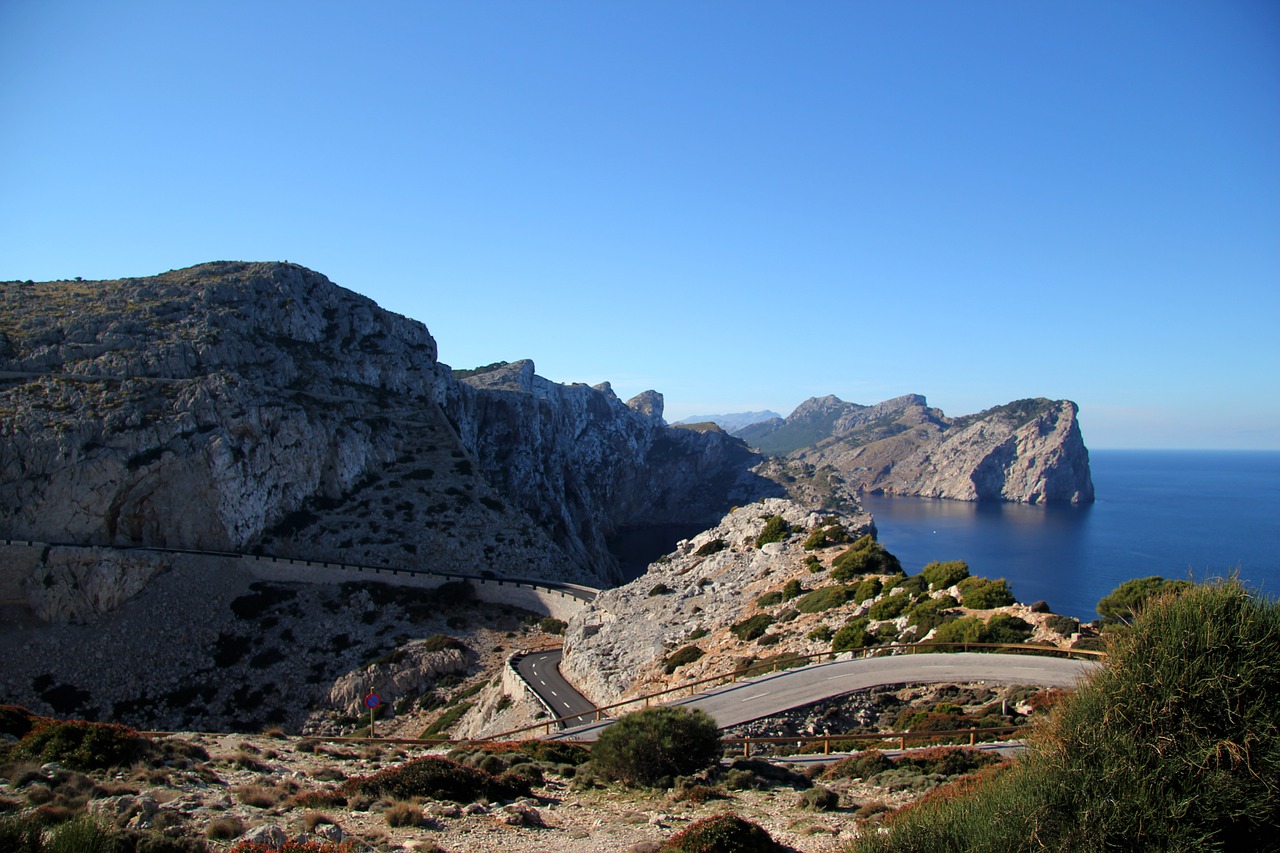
point(222, 789)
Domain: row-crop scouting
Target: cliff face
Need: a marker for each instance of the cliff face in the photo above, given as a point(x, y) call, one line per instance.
point(1028, 451)
point(237, 406)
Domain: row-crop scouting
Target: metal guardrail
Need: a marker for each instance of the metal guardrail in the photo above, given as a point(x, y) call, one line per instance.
point(788, 662)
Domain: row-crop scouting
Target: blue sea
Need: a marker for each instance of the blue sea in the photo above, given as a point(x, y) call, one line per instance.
point(1178, 514)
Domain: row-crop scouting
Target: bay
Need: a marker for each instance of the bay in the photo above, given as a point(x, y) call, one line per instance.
point(1178, 514)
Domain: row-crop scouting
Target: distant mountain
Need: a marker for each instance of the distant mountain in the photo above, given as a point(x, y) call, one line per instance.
point(733, 423)
point(1029, 451)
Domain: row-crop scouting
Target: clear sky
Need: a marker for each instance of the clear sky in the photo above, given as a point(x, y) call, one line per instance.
point(739, 204)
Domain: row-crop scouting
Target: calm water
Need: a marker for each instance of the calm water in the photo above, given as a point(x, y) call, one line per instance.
point(1179, 514)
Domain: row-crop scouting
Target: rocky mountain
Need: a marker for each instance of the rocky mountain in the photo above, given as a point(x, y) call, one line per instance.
point(1029, 451)
point(733, 422)
point(243, 406)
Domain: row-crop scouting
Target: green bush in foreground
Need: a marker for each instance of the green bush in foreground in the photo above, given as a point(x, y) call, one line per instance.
point(80, 745)
point(722, 833)
point(1173, 745)
point(776, 529)
point(652, 747)
point(438, 778)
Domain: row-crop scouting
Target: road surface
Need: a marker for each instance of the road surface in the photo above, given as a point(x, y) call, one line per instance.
point(541, 671)
point(741, 702)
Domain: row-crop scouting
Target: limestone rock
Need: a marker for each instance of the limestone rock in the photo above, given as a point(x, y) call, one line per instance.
point(1029, 451)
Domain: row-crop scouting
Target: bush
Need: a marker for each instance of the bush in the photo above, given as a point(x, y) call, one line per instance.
point(792, 589)
point(983, 594)
point(1174, 745)
point(16, 720)
point(929, 614)
point(441, 642)
point(825, 537)
point(723, 833)
point(660, 589)
point(813, 564)
point(866, 588)
point(657, 744)
point(864, 557)
point(854, 635)
point(822, 599)
point(889, 607)
point(750, 629)
point(776, 529)
point(437, 778)
point(680, 657)
point(864, 765)
point(551, 625)
point(821, 634)
point(966, 629)
point(944, 575)
point(1122, 605)
point(1005, 628)
point(769, 599)
point(1064, 625)
point(712, 547)
point(82, 746)
point(819, 799)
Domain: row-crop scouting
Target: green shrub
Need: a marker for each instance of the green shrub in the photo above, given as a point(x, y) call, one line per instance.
point(930, 613)
point(751, 628)
point(854, 635)
point(792, 589)
point(864, 765)
point(819, 799)
point(1064, 625)
point(944, 575)
point(712, 547)
point(822, 599)
point(551, 625)
point(1173, 745)
point(723, 833)
point(769, 640)
point(866, 588)
point(776, 529)
point(864, 557)
point(966, 629)
point(441, 642)
point(825, 537)
point(983, 594)
point(769, 599)
point(445, 721)
point(813, 564)
point(1122, 605)
point(889, 607)
point(822, 634)
point(437, 778)
point(1005, 628)
point(81, 745)
point(680, 657)
point(652, 746)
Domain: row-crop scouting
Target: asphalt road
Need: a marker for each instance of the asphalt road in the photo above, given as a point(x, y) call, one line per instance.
point(764, 696)
point(541, 671)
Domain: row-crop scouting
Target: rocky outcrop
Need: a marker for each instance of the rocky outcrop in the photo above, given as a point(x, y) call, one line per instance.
point(613, 646)
point(1029, 451)
point(237, 406)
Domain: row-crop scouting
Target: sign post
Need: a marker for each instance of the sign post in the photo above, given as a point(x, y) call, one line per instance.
point(372, 701)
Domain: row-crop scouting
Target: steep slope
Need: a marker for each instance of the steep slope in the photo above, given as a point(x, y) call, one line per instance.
point(1029, 451)
point(237, 406)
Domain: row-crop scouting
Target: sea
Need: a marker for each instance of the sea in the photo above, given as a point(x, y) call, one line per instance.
point(1182, 514)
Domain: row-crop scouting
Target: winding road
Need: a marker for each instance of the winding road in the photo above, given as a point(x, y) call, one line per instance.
point(541, 671)
point(743, 701)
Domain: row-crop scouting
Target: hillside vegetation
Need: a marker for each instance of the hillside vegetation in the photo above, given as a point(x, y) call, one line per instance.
point(1174, 746)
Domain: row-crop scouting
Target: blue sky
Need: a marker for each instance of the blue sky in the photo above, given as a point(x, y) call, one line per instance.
point(739, 204)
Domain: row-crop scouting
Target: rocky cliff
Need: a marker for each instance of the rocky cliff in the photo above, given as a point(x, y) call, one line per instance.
point(1029, 451)
point(238, 406)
